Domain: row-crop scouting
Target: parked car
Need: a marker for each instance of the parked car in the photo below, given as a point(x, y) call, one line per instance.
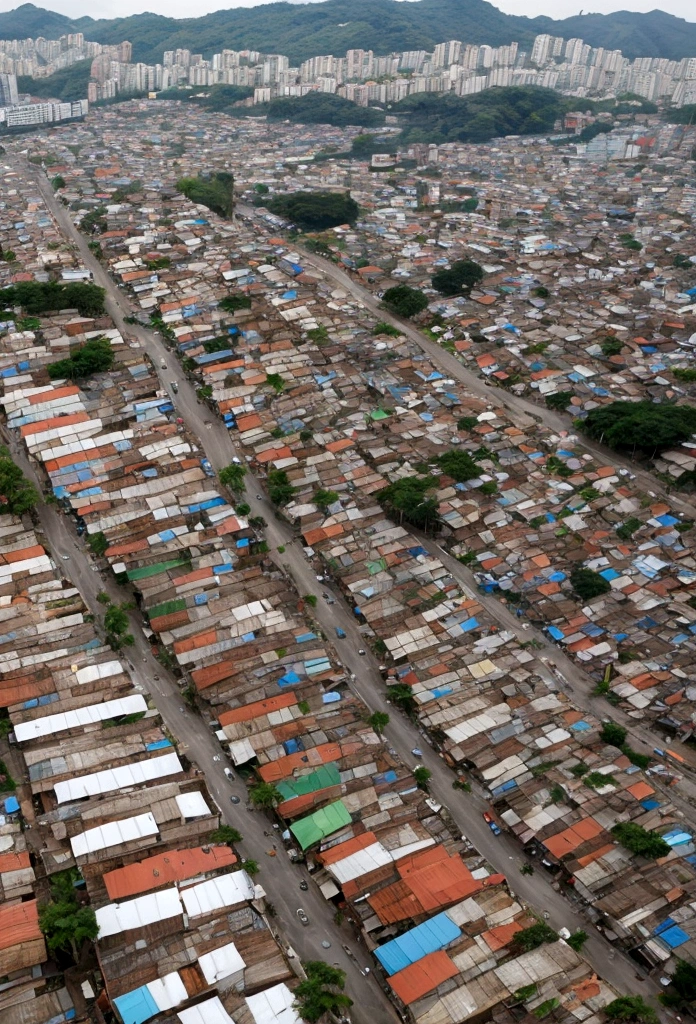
point(302, 916)
point(340, 633)
point(493, 825)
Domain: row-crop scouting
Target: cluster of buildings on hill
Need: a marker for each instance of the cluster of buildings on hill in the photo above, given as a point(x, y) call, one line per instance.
point(569, 66)
point(357, 410)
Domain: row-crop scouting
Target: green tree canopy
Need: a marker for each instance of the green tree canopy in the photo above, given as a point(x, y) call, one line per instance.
point(534, 936)
point(265, 794)
point(458, 465)
point(588, 584)
point(37, 297)
point(323, 108)
point(280, 490)
point(315, 211)
point(66, 926)
point(232, 476)
point(214, 190)
point(682, 991)
point(407, 499)
point(379, 720)
point(631, 1008)
point(462, 276)
point(95, 356)
point(405, 300)
point(322, 498)
point(640, 841)
point(17, 495)
point(643, 426)
point(322, 992)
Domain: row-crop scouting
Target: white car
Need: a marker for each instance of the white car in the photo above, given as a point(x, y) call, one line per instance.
point(229, 773)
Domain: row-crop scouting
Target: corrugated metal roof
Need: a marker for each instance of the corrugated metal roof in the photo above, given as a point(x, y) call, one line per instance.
point(416, 943)
point(174, 866)
point(416, 981)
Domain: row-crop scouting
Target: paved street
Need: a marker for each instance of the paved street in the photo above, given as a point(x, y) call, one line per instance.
point(281, 881)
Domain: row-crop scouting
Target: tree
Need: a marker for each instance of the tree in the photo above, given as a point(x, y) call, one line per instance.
point(402, 697)
point(58, 182)
point(588, 584)
point(640, 841)
point(422, 775)
point(534, 936)
point(406, 499)
point(97, 543)
point(232, 476)
point(276, 382)
point(311, 600)
point(232, 303)
point(641, 426)
point(613, 734)
point(67, 926)
point(280, 490)
point(265, 794)
point(17, 495)
point(560, 400)
point(251, 867)
point(682, 990)
point(116, 626)
point(226, 834)
point(462, 276)
point(577, 940)
point(458, 465)
point(323, 108)
point(379, 720)
point(321, 992)
point(315, 211)
point(95, 356)
point(214, 190)
point(405, 301)
point(322, 499)
point(631, 1008)
point(37, 297)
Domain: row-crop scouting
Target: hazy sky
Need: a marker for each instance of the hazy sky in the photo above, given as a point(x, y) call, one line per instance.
point(183, 8)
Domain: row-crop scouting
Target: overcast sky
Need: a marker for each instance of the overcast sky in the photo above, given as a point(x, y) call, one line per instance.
point(183, 8)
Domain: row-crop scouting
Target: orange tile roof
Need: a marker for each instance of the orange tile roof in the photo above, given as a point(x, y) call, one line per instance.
point(285, 766)
point(174, 866)
point(258, 708)
point(426, 974)
point(19, 923)
point(567, 841)
point(53, 422)
point(641, 790)
point(14, 861)
point(351, 846)
point(50, 396)
point(498, 938)
point(430, 879)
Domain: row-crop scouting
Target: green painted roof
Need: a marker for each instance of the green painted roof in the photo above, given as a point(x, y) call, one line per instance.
point(379, 414)
point(325, 776)
point(154, 570)
point(315, 827)
point(167, 608)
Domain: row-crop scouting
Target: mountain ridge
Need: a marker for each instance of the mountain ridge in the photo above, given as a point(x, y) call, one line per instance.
point(334, 26)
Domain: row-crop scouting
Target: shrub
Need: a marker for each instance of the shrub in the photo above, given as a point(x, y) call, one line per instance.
point(588, 584)
point(640, 841)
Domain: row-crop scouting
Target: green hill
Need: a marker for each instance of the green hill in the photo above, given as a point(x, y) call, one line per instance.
point(303, 30)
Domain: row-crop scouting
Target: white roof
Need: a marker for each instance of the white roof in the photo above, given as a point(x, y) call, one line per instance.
point(221, 963)
point(168, 991)
point(210, 1012)
point(242, 750)
point(192, 805)
point(357, 864)
point(138, 913)
point(49, 724)
point(216, 893)
point(113, 833)
point(133, 774)
point(102, 671)
point(274, 1006)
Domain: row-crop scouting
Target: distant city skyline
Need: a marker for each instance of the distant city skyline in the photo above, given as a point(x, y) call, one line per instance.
point(182, 9)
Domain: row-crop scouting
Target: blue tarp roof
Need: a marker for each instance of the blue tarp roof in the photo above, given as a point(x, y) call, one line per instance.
point(11, 805)
point(136, 1006)
point(416, 943)
point(555, 632)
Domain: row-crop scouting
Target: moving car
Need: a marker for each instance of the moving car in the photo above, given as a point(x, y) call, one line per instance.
point(493, 825)
point(302, 916)
point(340, 633)
point(229, 773)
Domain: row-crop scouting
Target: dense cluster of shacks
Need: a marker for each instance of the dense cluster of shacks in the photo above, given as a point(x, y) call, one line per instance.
point(357, 410)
